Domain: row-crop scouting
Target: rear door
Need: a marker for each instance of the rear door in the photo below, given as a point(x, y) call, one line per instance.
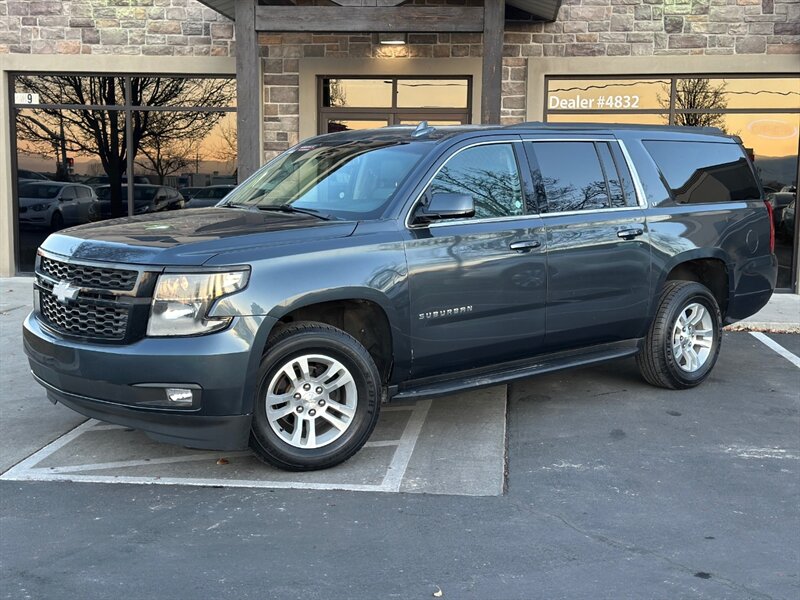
point(598, 249)
point(477, 285)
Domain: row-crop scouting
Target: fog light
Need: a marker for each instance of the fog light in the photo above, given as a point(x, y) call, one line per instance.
point(180, 396)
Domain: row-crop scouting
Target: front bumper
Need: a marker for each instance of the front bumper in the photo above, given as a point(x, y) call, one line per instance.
point(124, 384)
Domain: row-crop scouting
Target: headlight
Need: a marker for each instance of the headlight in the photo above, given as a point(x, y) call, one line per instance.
point(40, 207)
point(182, 301)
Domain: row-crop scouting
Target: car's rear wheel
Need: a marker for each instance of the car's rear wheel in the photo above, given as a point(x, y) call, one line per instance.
point(57, 221)
point(318, 398)
point(683, 343)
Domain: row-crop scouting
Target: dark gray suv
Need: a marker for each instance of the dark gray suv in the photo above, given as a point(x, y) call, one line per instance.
point(361, 267)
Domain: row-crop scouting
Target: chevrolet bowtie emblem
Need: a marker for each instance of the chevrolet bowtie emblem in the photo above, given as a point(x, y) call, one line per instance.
point(63, 292)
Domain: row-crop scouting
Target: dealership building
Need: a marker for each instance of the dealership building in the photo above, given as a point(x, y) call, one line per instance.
point(190, 93)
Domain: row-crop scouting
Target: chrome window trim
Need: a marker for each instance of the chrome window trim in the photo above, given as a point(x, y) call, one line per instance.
point(641, 198)
point(417, 200)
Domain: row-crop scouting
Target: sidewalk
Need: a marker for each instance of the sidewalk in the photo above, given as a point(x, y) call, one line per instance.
point(780, 315)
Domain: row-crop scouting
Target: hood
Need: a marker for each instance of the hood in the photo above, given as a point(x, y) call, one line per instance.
point(189, 237)
point(27, 202)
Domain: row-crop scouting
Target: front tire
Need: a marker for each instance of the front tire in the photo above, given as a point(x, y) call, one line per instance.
point(318, 398)
point(683, 343)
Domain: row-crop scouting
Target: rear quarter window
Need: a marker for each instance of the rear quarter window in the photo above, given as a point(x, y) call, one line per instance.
point(704, 172)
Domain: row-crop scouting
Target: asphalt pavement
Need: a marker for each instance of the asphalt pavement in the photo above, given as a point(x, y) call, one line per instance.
point(600, 487)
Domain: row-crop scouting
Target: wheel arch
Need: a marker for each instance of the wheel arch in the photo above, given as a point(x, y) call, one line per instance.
point(710, 268)
point(363, 313)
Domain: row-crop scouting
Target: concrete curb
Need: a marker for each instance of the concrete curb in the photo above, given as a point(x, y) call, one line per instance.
point(765, 327)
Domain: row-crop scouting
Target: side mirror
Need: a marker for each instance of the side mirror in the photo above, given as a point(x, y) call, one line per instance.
point(446, 205)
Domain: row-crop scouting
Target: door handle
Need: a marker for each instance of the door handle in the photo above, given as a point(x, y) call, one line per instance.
point(629, 234)
point(525, 245)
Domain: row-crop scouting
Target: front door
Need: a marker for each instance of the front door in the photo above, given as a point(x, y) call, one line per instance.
point(598, 251)
point(477, 286)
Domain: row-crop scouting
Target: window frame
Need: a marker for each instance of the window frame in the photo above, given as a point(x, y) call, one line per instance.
point(524, 182)
point(542, 203)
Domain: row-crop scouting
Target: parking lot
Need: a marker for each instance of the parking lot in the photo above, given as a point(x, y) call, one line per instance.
point(585, 483)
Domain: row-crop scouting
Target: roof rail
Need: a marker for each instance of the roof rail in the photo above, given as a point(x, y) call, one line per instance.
point(571, 126)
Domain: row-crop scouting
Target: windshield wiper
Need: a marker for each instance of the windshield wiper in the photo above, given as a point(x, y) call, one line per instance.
point(288, 208)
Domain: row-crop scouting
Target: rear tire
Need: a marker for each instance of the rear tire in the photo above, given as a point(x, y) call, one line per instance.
point(683, 343)
point(57, 221)
point(318, 398)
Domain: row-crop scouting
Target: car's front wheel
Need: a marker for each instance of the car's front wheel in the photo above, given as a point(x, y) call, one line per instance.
point(683, 343)
point(318, 398)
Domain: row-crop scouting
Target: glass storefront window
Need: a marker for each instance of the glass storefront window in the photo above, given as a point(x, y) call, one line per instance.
point(358, 93)
point(738, 93)
point(183, 92)
point(634, 119)
point(615, 94)
point(432, 93)
point(347, 103)
point(72, 163)
point(32, 90)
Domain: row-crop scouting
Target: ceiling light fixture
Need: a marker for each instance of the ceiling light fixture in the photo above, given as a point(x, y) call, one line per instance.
point(392, 39)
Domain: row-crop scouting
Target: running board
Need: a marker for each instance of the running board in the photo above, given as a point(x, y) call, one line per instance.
point(477, 378)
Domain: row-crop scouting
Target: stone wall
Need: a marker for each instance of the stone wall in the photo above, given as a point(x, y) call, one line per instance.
point(130, 27)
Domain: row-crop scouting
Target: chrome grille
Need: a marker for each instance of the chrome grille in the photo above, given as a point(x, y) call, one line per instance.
point(84, 319)
point(100, 278)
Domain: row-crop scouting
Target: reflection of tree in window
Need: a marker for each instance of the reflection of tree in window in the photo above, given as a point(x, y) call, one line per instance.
point(698, 94)
point(101, 133)
point(488, 174)
point(570, 176)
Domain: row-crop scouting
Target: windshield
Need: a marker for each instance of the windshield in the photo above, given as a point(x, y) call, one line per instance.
point(39, 190)
point(354, 180)
point(139, 194)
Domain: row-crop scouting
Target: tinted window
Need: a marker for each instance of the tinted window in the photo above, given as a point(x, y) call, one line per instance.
point(699, 172)
point(570, 176)
point(489, 174)
point(68, 194)
point(84, 192)
point(38, 190)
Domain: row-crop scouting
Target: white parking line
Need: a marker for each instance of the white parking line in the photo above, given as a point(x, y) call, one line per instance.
point(773, 345)
point(28, 469)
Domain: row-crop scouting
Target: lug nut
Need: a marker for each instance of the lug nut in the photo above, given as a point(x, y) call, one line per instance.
point(321, 403)
point(319, 390)
point(307, 386)
point(299, 409)
point(297, 396)
point(312, 412)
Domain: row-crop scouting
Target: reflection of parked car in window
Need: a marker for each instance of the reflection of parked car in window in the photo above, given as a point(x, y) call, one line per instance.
point(54, 204)
point(26, 175)
point(146, 199)
point(189, 192)
point(779, 201)
point(99, 180)
point(366, 266)
point(787, 223)
point(209, 196)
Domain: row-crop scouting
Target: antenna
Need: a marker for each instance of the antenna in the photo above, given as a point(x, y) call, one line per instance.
point(422, 129)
